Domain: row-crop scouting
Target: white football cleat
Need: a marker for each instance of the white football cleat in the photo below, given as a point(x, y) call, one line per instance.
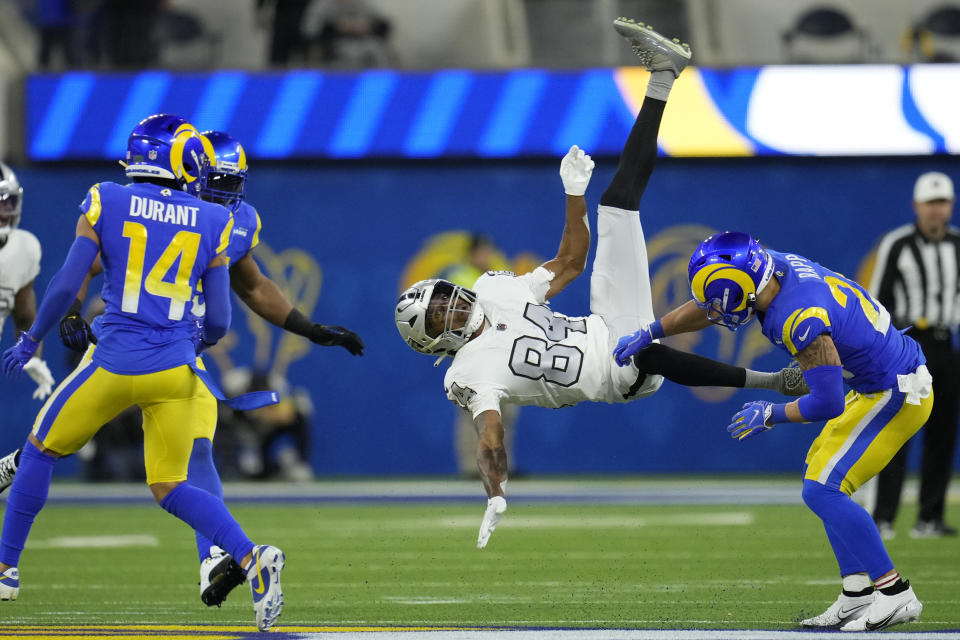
point(219, 574)
point(264, 576)
point(887, 611)
point(8, 469)
point(845, 609)
point(10, 584)
point(656, 52)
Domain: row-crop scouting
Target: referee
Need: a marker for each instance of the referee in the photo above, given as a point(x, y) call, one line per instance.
point(917, 278)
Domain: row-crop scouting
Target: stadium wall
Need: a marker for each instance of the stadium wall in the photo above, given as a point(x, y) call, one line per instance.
point(343, 238)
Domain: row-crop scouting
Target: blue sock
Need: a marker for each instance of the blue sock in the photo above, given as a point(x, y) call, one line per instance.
point(851, 527)
point(207, 514)
point(202, 473)
point(27, 497)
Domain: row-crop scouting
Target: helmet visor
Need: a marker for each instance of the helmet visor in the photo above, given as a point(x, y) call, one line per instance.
point(223, 188)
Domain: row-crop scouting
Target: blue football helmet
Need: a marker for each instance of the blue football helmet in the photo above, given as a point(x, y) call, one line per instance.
point(167, 147)
point(224, 179)
point(726, 273)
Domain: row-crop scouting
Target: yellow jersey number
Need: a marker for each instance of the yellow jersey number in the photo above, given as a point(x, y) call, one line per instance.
point(184, 246)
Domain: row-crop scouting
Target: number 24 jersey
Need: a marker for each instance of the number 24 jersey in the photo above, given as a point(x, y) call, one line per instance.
point(527, 354)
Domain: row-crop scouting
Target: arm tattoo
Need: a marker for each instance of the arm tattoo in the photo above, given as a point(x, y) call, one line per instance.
point(820, 352)
point(491, 454)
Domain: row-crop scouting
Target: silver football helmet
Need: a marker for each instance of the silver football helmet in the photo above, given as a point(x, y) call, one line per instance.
point(11, 202)
point(437, 317)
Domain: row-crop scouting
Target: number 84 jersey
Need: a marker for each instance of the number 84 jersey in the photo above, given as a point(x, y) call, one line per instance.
point(527, 354)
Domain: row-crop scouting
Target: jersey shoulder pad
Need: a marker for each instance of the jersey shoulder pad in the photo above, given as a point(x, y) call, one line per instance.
point(247, 217)
point(92, 205)
point(803, 325)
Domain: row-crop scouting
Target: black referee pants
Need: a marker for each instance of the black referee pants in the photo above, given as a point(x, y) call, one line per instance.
point(939, 436)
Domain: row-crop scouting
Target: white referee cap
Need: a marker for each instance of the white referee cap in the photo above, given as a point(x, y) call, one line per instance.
point(933, 186)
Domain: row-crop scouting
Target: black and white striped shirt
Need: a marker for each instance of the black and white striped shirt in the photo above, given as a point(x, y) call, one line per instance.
point(917, 280)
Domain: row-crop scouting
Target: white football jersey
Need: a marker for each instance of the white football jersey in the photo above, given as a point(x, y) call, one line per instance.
point(19, 264)
point(529, 355)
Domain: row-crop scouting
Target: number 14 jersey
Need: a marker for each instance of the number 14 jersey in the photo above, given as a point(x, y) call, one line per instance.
point(155, 244)
point(527, 354)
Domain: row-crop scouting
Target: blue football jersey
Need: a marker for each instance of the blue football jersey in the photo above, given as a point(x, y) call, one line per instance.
point(814, 300)
point(155, 243)
point(246, 232)
point(244, 237)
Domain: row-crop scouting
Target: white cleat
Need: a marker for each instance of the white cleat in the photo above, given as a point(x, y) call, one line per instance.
point(656, 52)
point(10, 584)
point(845, 609)
point(887, 611)
point(264, 576)
point(8, 469)
point(219, 574)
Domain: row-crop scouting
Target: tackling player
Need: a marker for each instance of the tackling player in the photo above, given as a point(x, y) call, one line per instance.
point(19, 265)
point(837, 333)
point(509, 346)
point(146, 352)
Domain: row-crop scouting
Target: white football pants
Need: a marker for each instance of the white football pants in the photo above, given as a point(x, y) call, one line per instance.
point(620, 287)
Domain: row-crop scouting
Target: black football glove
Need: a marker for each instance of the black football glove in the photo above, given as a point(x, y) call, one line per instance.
point(333, 336)
point(75, 333)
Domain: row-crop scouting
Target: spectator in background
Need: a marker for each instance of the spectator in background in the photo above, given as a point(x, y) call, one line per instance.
point(271, 443)
point(127, 32)
point(481, 256)
point(917, 277)
point(286, 42)
point(55, 21)
point(348, 33)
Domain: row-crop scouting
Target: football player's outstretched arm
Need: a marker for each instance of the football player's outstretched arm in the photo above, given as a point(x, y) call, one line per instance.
point(492, 462)
point(686, 318)
point(571, 259)
point(259, 292)
point(264, 298)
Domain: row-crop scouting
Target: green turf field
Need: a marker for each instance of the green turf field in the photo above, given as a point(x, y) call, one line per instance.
point(386, 564)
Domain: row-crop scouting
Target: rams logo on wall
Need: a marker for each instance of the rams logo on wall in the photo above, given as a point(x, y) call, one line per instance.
point(462, 257)
point(300, 278)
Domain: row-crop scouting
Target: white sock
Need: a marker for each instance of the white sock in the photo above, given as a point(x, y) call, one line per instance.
point(659, 85)
point(856, 582)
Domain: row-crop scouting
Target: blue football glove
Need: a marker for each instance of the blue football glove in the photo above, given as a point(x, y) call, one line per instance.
point(751, 420)
point(631, 345)
point(19, 354)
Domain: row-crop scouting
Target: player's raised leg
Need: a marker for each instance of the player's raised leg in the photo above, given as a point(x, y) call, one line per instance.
point(620, 281)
